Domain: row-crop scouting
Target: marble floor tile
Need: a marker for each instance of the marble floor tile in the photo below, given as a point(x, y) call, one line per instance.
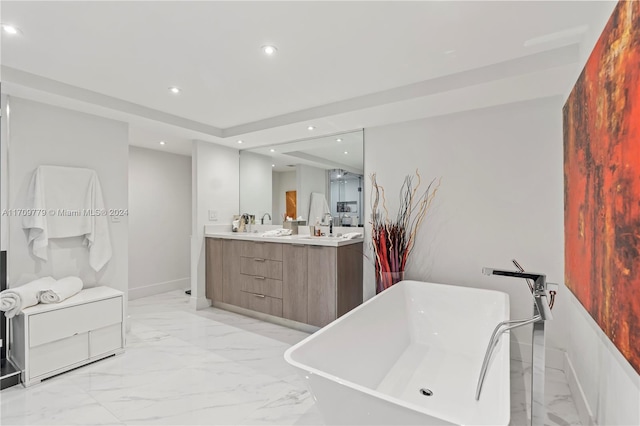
point(208, 367)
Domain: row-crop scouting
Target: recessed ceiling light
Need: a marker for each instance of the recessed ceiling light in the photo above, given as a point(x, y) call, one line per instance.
point(269, 49)
point(346, 152)
point(10, 29)
point(240, 141)
point(162, 143)
point(273, 165)
point(311, 127)
point(272, 150)
point(175, 90)
point(338, 140)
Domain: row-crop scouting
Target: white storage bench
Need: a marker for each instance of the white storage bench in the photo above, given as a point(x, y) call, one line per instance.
point(49, 339)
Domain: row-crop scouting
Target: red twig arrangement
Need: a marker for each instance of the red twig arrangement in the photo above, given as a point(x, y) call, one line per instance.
point(393, 240)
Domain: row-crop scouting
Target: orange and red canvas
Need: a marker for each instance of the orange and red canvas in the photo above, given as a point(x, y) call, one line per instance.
point(602, 182)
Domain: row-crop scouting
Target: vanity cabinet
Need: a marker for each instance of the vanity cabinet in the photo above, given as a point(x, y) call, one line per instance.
point(48, 339)
point(306, 283)
point(295, 283)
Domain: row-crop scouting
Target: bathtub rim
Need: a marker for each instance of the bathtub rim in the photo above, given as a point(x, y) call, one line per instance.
point(377, 394)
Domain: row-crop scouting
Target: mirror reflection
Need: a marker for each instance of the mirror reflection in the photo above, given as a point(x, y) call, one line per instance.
point(311, 180)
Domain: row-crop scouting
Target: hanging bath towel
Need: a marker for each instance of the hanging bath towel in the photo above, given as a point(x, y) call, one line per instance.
point(318, 207)
point(72, 200)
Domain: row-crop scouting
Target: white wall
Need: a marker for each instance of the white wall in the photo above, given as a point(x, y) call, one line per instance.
point(159, 222)
point(255, 184)
point(215, 175)
point(605, 386)
point(309, 179)
point(46, 135)
point(501, 198)
point(4, 223)
point(282, 182)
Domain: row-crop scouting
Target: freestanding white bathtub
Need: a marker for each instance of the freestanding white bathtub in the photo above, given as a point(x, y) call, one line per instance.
point(377, 364)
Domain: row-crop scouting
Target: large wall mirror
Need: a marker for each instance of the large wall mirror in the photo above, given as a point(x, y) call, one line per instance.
point(312, 179)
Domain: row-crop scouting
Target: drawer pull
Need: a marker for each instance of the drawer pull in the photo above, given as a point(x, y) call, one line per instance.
point(259, 259)
point(298, 245)
point(259, 242)
point(262, 296)
point(260, 278)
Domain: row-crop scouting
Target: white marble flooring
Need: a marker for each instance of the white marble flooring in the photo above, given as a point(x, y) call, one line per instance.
point(209, 367)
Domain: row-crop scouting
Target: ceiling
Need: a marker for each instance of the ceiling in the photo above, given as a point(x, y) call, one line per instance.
point(339, 65)
point(338, 151)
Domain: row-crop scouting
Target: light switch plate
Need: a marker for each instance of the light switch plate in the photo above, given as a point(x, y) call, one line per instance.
point(213, 215)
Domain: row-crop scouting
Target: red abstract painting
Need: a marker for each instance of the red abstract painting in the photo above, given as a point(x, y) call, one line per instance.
point(602, 182)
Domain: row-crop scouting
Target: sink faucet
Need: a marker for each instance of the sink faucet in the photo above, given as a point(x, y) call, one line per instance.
point(262, 220)
point(542, 312)
point(330, 223)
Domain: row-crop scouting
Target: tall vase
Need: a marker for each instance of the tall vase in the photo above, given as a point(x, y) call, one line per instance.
point(385, 279)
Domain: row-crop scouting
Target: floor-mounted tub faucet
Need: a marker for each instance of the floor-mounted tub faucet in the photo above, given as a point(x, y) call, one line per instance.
point(542, 313)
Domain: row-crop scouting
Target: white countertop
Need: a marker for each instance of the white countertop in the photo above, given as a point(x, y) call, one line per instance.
point(305, 239)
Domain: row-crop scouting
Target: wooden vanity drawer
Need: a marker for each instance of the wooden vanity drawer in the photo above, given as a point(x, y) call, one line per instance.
point(270, 251)
point(261, 303)
point(262, 267)
point(261, 285)
point(62, 323)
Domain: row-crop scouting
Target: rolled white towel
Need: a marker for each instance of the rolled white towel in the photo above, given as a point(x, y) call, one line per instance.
point(14, 300)
point(60, 290)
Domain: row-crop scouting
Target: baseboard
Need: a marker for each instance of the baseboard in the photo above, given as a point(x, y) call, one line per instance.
point(198, 303)
point(266, 317)
point(579, 398)
point(150, 290)
point(554, 358)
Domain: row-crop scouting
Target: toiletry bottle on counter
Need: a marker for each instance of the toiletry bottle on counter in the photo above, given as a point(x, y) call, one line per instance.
point(317, 228)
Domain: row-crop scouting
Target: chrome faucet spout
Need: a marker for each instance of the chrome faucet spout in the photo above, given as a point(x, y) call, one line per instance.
point(262, 220)
point(541, 312)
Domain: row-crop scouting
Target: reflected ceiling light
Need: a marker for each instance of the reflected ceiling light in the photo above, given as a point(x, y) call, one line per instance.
point(163, 143)
point(311, 127)
point(338, 140)
point(175, 90)
point(269, 50)
point(240, 141)
point(10, 29)
point(339, 176)
point(272, 150)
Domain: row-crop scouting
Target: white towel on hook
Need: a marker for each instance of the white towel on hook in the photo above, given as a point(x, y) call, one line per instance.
point(61, 290)
point(318, 207)
point(72, 200)
point(14, 300)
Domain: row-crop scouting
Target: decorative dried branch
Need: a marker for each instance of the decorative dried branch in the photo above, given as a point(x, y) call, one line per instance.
point(393, 241)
